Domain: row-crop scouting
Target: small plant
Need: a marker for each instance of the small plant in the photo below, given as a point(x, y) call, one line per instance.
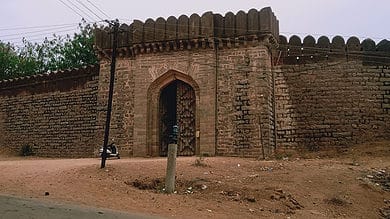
point(27, 150)
point(200, 162)
point(283, 156)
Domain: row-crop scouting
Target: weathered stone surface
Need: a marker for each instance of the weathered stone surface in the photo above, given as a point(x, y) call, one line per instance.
point(54, 114)
point(266, 19)
point(320, 106)
point(368, 45)
point(295, 46)
point(183, 27)
point(323, 43)
point(207, 25)
point(353, 44)
point(194, 26)
point(106, 38)
point(283, 40)
point(159, 32)
point(315, 106)
point(309, 41)
point(219, 25)
point(283, 46)
point(123, 38)
point(253, 22)
point(230, 22)
point(242, 105)
point(275, 25)
point(149, 30)
point(384, 46)
point(241, 23)
point(138, 31)
point(246, 105)
point(171, 28)
point(98, 36)
point(308, 49)
point(338, 44)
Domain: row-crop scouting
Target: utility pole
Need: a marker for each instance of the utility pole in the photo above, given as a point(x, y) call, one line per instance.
point(115, 25)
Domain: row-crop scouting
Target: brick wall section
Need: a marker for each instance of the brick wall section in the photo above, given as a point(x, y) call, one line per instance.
point(122, 117)
point(331, 104)
point(243, 95)
point(244, 92)
point(55, 114)
point(199, 64)
point(129, 126)
point(319, 105)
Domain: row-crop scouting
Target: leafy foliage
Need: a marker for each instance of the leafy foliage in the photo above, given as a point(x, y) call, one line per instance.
point(50, 55)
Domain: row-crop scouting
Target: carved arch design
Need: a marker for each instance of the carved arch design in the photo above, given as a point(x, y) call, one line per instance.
point(153, 95)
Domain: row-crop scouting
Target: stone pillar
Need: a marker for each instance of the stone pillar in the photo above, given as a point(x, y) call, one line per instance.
point(171, 169)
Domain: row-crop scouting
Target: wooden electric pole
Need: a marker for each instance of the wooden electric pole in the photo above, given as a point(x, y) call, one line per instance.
point(115, 25)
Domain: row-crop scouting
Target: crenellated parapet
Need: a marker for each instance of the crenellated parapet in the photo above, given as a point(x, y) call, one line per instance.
point(309, 50)
point(191, 32)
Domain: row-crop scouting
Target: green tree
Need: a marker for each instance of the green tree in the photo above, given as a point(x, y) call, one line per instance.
point(55, 54)
point(78, 51)
point(8, 61)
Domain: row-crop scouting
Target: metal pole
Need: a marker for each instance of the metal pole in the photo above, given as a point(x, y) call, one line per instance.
point(110, 93)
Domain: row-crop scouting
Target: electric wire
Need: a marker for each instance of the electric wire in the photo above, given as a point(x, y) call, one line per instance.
point(101, 11)
point(82, 11)
point(82, 4)
point(35, 27)
point(41, 34)
point(72, 9)
point(36, 31)
point(29, 34)
point(240, 40)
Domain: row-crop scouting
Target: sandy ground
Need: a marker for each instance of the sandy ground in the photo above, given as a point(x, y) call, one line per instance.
point(28, 208)
point(351, 183)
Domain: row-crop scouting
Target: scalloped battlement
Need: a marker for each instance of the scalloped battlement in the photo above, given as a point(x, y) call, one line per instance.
point(186, 28)
point(297, 51)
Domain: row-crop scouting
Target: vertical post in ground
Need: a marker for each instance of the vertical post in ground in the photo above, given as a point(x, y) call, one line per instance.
point(171, 169)
point(110, 93)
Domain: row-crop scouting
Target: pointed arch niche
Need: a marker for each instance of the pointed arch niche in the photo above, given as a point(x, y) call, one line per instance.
point(156, 89)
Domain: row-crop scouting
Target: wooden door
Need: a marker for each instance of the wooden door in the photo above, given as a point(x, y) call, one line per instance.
point(185, 107)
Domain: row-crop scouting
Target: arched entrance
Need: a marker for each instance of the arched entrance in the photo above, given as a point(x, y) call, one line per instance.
point(173, 98)
point(177, 106)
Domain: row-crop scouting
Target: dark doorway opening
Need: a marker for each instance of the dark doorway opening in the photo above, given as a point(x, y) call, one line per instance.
point(177, 107)
point(167, 116)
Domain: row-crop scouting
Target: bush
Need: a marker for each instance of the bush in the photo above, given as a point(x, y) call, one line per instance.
point(27, 150)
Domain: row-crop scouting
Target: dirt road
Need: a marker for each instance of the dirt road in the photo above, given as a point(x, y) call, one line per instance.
point(18, 208)
point(351, 183)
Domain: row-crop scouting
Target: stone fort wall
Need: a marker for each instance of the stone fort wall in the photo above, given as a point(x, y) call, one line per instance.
point(331, 93)
point(54, 113)
point(255, 91)
point(233, 99)
point(228, 59)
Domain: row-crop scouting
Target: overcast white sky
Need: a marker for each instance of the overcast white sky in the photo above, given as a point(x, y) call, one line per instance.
point(361, 18)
